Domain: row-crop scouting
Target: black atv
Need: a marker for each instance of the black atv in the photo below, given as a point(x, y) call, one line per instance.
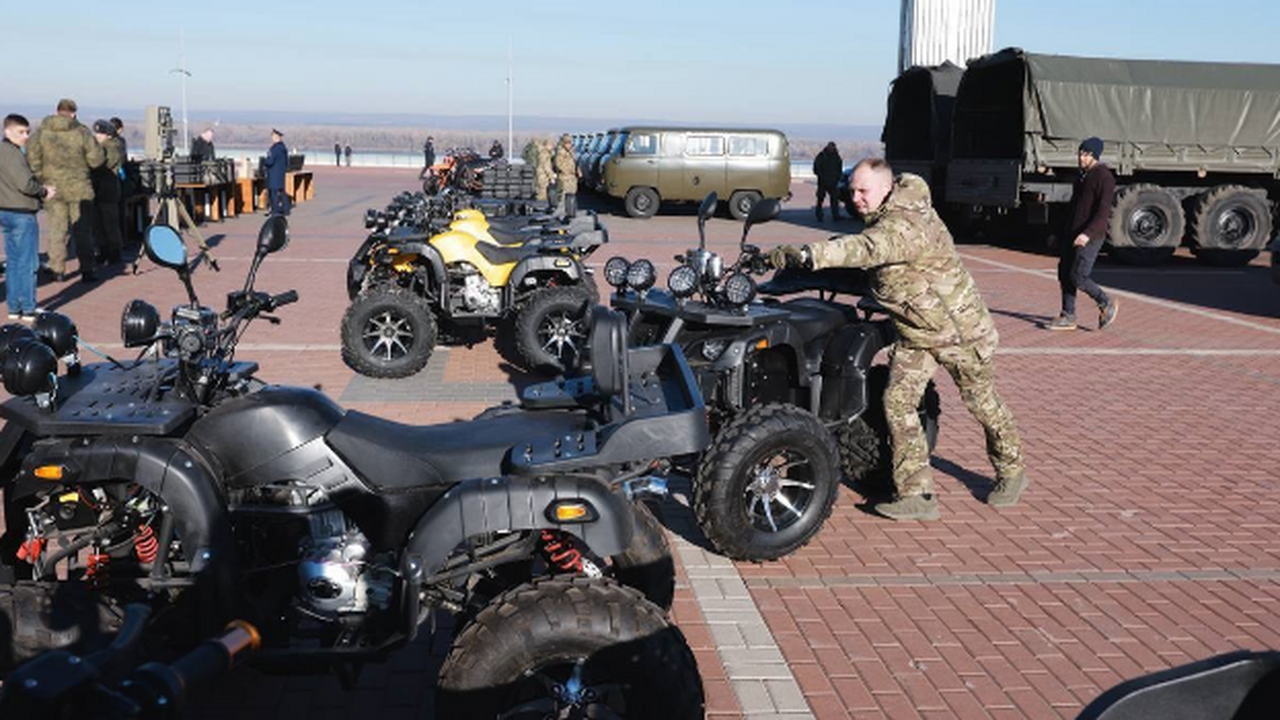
point(792, 393)
point(409, 282)
point(182, 481)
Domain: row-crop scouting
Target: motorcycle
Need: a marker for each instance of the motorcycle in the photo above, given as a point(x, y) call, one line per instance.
point(792, 390)
point(181, 480)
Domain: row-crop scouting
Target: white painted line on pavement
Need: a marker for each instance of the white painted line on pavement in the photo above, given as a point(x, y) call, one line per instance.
point(1178, 352)
point(1169, 304)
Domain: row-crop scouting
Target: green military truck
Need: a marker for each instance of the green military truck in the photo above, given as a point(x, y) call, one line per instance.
point(917, 126)
point(671, 164)
point(1195, 147)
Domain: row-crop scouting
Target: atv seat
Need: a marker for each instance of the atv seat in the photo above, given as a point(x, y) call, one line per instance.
point(505, 254)
point(391, 455)
point(813, 318)
point(513, 236)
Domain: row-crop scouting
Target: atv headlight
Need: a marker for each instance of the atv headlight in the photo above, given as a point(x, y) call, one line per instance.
point(739, 289)
point(57, 331)
point(615, 272)
point(29, 368)
point(683, 281)
point(713, 349)
point(138, 323)
point(641, 275)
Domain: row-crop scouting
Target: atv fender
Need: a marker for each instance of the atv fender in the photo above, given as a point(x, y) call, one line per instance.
point(504, 504)
point(415, 244)
point(171, 469)
point(561, 265)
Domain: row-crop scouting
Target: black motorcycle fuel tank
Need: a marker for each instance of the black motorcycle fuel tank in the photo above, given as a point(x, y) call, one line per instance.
point(252, 431)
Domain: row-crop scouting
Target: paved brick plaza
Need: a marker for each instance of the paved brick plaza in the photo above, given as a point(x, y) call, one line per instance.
point(1150, 535)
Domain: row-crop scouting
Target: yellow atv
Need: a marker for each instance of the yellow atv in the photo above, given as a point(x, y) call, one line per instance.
point(529, 280)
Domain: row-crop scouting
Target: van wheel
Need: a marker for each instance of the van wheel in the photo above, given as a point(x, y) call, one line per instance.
point(642, 202)
point(741, 202)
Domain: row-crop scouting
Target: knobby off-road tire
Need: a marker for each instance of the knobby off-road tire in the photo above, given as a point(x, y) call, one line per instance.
point(531, 637)
point(1230, 225)
point(1146, 225)
point(551, 329)
point(388, 332)
point(783, 450)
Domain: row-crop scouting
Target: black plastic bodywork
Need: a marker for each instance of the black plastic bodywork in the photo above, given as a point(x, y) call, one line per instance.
point(104, 398)
point(1240, 686)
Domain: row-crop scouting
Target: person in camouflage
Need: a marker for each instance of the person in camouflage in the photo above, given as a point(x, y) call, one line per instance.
point(61, 153)
point(106, 191)
point(542, 169)
point(567, 175)
point(917, 276)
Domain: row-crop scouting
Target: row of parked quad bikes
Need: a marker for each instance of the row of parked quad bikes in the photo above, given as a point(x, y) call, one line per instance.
point(149, 500)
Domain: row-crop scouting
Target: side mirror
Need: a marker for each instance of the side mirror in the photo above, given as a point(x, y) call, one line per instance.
point(164, 247)
point(705, 211)
point(274, 235)
point(761, 212)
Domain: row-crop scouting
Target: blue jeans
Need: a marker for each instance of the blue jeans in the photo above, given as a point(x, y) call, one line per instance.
point(22, 258)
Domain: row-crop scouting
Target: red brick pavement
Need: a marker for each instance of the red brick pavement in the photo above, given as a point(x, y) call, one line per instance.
point(1148, 537)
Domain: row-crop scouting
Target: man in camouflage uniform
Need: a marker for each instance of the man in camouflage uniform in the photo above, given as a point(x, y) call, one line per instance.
point(61, 153)
point(106, 191)
point(941, 320)
point(542, 169)
point(567, 175)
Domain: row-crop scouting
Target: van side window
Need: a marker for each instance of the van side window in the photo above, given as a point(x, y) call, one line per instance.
point(642, 145)
point(747, 146)
point(704, 145)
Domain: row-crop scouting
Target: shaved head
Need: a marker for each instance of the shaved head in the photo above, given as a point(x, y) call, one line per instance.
point(870, 184)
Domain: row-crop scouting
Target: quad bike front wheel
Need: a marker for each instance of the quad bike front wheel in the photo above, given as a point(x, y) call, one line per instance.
point(768, 483)
point(388, 332)
point(570, 647)
point(551, 329)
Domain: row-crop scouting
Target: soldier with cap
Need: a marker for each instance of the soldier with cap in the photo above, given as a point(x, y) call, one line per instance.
point(106, 192)
point(917, 276)
point(567, 175)
point(61, 153)
point(275, 165)
point(1092, 193)
point(542, 169)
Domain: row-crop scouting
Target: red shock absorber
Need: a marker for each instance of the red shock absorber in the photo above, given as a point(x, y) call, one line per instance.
point(96, 568)
point(560, 551)
point(145, 545)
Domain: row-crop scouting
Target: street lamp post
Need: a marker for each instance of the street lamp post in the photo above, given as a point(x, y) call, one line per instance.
point(182, 71)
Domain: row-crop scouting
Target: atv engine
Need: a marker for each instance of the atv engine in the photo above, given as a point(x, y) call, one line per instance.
point(479, 296)
point(335, 573)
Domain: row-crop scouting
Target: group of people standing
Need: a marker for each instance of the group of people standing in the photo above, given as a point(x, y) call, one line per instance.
point(338, 151)
point(555, 163)
point(75, 174)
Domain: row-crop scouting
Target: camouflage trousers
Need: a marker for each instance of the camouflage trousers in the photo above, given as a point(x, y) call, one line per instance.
point(540, 183)
point(972, 367)
point(72, 218)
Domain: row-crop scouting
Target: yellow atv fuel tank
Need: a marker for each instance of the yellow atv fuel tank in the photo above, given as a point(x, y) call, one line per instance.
point(456, 246)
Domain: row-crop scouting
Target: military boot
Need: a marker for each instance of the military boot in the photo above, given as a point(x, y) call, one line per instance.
point(911, 507)
point(1006, 491)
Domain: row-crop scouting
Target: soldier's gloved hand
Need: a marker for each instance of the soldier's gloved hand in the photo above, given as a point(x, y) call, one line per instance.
point(786, 256)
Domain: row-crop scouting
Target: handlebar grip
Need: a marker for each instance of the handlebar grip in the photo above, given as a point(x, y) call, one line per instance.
point(284, 298)
point(214, 657)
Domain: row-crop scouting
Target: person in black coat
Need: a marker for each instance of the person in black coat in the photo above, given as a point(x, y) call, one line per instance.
point(496, 151)
point(275, 165)
point(827, 168)
point(337, 154)
point(202, 147)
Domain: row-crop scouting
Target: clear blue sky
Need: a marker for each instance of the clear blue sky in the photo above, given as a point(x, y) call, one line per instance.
point(806, 61)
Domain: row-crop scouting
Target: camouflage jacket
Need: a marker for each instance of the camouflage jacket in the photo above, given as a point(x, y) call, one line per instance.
point(106, 177)
point(543, 165)
point(566, 169)
point(915, 271)
point(62, 152)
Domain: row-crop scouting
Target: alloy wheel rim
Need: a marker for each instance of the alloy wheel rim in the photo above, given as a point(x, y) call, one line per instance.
point(388, 335)
point(779, 491)
point(560, 336)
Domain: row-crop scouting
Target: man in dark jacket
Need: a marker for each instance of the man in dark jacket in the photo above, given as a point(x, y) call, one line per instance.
point(275, 165)
point(20, 196)
point(1091, 198)
point(827, 167)
point(106, 193)
point(496, 151)
point(202, 146)
point(62, 152)
point(337, 154)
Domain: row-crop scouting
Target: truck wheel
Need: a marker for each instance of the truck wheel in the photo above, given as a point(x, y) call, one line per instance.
point(642, 202)
point(570, 646)
point(768, 483)
point(388, 332)
point(741, 202)
point(551, 329)
point(1146, 225)
point(1230, 225)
